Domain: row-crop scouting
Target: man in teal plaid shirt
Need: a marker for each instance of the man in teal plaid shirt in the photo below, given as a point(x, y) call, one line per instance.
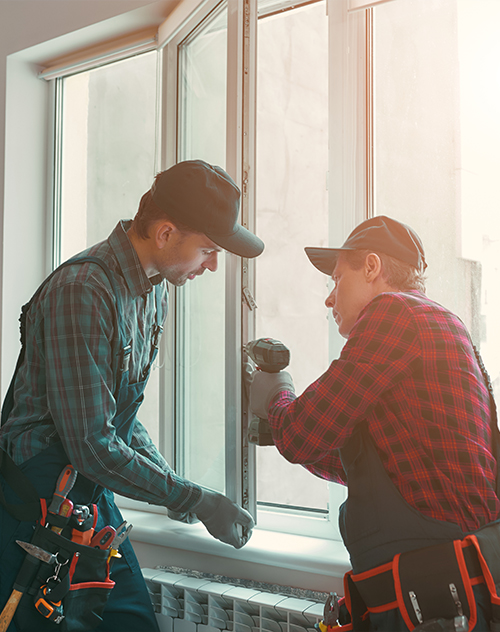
point(91, 336)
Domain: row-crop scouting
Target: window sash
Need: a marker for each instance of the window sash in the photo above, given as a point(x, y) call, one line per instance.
point(348, 107)
point(172, 33)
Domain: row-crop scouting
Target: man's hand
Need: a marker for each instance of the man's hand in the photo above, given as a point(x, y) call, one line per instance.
point(265, 387)
point(225, 520)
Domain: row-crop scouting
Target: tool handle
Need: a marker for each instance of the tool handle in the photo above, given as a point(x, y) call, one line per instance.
point(9, 609)
point(64, 485)
point(82, 537)
point(112, 553)
point(104, 538)
point(65, 511)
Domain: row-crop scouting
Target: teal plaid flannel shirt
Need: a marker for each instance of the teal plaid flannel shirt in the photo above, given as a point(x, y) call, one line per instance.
point(65, 386)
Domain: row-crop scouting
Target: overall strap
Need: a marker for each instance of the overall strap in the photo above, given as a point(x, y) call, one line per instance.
point(125, 349)
point(495, 433)
point(156, 333)
point(29, 510)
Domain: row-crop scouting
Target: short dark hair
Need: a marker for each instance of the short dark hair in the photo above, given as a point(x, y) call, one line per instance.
point(399, 275)
point(148, 213)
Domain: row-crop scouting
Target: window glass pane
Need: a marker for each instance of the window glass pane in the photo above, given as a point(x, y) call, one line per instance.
point(108, 130)
point(436, 149)
point(109, 140)
point(292, 212)
point(201, 369)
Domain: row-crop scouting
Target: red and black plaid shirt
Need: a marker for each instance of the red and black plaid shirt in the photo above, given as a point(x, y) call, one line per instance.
point(410, 370)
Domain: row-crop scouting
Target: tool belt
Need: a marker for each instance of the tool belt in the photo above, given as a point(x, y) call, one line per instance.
point(430, 583)
point(73, 589)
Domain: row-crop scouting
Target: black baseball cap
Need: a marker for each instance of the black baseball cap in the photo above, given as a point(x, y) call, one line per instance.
point(205, 198)
point(378, 234)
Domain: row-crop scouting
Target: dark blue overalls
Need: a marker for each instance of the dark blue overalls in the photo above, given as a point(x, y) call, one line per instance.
point(376, 523)
point(129, 607)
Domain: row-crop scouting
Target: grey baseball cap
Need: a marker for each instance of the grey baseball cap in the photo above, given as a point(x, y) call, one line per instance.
point(205, 198)
point(379, 234)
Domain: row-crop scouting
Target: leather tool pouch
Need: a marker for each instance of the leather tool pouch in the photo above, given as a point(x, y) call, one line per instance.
point(82, 581)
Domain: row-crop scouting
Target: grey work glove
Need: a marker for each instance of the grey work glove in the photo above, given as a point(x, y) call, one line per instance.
point(265, 387)
point(188, 516)
point(222, 518)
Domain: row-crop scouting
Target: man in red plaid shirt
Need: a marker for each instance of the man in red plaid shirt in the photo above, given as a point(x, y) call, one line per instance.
point(404, 418)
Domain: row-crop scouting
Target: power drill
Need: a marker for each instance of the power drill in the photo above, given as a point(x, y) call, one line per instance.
point(271, 356)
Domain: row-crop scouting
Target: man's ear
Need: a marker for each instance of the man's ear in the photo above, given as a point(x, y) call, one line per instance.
point(163, 232)
point(373, 267)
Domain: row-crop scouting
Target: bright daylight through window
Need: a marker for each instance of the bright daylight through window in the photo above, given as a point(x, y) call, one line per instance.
point(436, 150)
point(292, 212)
point(201, 364)
point(435, 137)
point(108, 134)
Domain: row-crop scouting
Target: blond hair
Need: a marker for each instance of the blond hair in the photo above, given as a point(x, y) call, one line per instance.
point(399, 275)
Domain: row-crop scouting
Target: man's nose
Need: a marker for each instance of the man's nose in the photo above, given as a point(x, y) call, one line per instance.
point(211, 262)
point(329, 302)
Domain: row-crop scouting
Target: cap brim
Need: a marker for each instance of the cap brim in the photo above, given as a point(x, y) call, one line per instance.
point(242, 243)
point(324, 259)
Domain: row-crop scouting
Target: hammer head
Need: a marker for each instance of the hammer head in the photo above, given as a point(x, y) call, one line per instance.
point(35, 551)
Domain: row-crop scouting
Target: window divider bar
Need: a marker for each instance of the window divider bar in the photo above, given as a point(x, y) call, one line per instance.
point(240, 164)
point(248, 219)
point(233, 435)
point(370, 132)
point(57, 175)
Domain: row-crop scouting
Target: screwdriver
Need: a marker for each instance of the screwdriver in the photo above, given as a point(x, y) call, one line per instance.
point(64, 485)
point(65, 510)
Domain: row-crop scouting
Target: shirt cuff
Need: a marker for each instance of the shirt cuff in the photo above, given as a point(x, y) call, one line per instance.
point(283, 398)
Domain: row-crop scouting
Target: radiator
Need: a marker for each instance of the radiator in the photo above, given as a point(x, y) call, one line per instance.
point(186, 603)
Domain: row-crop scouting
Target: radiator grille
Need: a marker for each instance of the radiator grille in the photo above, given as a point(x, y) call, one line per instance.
point(191, 604)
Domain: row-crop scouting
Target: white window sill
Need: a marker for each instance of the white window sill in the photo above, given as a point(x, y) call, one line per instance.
point(273, 557)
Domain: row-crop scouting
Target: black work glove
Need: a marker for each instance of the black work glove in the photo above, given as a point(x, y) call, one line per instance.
point(222, 518)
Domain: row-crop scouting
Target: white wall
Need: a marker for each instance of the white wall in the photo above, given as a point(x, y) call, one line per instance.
point(32, 32)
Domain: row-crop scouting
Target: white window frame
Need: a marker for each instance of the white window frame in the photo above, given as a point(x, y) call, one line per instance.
point(240, 151)
point(315, 558)
point(349, 180)
point(171, 33)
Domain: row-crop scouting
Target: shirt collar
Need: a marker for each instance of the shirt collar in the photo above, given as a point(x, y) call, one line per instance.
point(135, 277)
